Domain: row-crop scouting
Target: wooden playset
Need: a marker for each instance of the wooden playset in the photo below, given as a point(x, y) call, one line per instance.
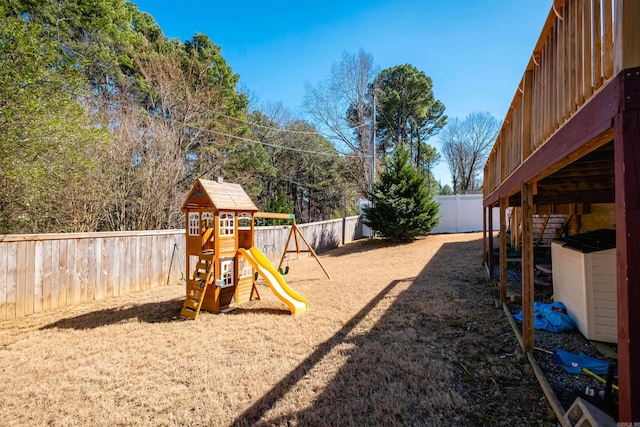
point(221, 261)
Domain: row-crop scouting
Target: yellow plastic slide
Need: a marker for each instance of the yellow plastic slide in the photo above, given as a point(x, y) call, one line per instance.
point(296, 303)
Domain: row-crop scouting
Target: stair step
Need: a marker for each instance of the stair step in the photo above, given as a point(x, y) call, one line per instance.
point(197, 287)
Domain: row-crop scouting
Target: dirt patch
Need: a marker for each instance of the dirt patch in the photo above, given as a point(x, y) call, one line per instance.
point(404, 335)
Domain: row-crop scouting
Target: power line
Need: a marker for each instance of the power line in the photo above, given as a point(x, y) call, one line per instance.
point(211, 131)
point(217, 113)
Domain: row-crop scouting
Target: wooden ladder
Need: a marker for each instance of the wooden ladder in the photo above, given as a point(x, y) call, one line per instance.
point(197, 287)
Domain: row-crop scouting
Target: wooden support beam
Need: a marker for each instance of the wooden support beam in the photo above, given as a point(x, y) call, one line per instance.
point(504, 204)
point(490, 263)
point(295, 231)
point(627, 175)
point(273, 215)
point(515, 228)
point(527, 268)
point(484, 234)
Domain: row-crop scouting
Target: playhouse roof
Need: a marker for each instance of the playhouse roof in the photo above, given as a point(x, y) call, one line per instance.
point(218, 196)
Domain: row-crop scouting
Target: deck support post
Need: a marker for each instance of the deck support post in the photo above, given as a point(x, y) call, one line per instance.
point(490, 263)
point(484, 234)
point(627, 184)
point(527, 268)
point(515, 228)
point(504, 203)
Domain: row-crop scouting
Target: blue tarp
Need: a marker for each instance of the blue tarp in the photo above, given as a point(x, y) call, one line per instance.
point(573, 363)
point(550, 317)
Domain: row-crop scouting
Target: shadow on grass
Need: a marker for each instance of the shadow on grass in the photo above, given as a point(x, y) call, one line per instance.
point(258, 310)
point(257, 410)
point(408, 368)
point(395, 373)
point(155, 312)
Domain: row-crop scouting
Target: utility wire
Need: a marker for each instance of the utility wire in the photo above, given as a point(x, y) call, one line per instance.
point(203, 108)
point(211, 131)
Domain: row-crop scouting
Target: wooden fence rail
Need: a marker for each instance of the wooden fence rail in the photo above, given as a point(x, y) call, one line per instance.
point(43, 272)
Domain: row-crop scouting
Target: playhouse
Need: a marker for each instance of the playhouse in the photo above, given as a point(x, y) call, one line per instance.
point(221, 261)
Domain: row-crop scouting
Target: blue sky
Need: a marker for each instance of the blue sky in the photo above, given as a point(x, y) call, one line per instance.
point(475, 51)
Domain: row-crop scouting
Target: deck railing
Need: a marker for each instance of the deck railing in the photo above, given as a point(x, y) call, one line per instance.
point(572, 60)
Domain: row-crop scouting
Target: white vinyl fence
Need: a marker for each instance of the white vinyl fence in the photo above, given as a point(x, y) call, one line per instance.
point(462, 213)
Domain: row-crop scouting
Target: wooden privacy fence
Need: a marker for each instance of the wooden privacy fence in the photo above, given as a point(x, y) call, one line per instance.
point(43, 272)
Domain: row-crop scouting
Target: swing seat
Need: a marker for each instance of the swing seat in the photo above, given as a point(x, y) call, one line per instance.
point(285, 272)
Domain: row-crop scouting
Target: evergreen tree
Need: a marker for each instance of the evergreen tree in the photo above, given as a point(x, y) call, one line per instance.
point(48, 145)
point(403, 207)
point(408, 113)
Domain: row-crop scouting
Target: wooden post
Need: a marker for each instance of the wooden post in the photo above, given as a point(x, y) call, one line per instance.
point(484, 234)
point(527, 115)
point(527, 268)
point(297, 230)
point(490, 263)
point(627, 45)
point(627, 188)
point(573, 226)
point(515, 227)
point(504, 203)
point(187, 258)
point(286, 247)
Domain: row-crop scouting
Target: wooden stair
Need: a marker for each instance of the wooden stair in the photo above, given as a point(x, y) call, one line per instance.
point(547, 227)
point(197, 287)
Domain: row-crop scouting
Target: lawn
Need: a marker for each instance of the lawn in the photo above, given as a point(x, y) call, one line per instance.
point(404, 334)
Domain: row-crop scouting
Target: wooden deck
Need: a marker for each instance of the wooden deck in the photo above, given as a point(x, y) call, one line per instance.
point(569, 140)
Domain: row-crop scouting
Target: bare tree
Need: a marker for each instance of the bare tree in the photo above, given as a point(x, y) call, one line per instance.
point(465, 146)
point(142, 170)
point(341, 106)
point(183, 130)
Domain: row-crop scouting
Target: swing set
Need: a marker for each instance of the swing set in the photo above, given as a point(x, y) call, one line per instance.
point(296, 234)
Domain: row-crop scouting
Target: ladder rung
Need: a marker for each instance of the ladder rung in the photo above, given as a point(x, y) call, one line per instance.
point(196, 288)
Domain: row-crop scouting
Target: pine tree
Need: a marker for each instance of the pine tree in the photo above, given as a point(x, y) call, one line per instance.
point(402, 207)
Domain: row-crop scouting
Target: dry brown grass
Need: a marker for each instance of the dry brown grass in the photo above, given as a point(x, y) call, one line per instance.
point(403, 335)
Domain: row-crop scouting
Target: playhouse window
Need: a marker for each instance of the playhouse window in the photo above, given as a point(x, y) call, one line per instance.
point(227, 224)
point(194, 219)
point(245, 267)
point(244, 221)
point(207, 220)
point(226, 273)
